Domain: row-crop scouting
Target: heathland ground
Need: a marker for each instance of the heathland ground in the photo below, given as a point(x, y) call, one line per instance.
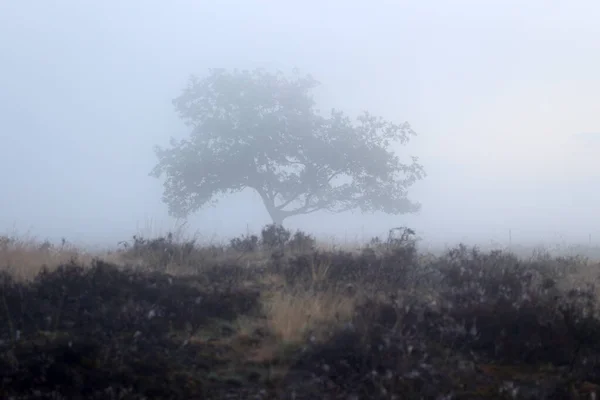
point(275, 316)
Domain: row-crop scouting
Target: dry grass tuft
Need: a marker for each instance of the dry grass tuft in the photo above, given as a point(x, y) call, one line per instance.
point(25, 257)
point(295, 314)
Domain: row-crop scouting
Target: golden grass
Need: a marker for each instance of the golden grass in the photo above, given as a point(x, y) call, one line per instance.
point(294, 314)
point(24, 258)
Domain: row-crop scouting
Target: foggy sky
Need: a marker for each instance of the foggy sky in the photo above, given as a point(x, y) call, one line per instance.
point(503, 95)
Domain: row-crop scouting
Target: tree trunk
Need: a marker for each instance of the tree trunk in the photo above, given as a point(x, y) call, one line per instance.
point(277, 216)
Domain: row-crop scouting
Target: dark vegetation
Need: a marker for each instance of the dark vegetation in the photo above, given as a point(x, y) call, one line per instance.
point(465, 325)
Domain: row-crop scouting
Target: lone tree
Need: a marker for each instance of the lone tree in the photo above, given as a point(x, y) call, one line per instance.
point(260, 130)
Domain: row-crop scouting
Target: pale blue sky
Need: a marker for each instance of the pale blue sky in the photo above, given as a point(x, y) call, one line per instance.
point(499, 92)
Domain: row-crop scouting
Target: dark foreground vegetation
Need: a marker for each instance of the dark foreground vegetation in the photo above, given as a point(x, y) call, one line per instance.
point(275, 318)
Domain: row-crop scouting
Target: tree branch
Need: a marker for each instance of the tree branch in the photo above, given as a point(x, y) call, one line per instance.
point(304, 208)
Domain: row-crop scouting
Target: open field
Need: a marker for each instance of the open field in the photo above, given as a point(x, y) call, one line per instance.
point(273, 317)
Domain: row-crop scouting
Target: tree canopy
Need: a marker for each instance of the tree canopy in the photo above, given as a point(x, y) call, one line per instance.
point(261, 130)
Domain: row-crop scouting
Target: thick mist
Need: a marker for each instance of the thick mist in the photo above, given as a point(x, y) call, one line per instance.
point(503, 97)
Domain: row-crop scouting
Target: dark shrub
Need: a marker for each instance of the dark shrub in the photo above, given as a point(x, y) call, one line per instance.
point(302, 242)
point(274, 236)
point(74, 332)
point(511, 310)
point(393, 270)
point(245, 243)
point(159, 252)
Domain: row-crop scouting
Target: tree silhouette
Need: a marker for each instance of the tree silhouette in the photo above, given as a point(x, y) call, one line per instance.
point(261, 130)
